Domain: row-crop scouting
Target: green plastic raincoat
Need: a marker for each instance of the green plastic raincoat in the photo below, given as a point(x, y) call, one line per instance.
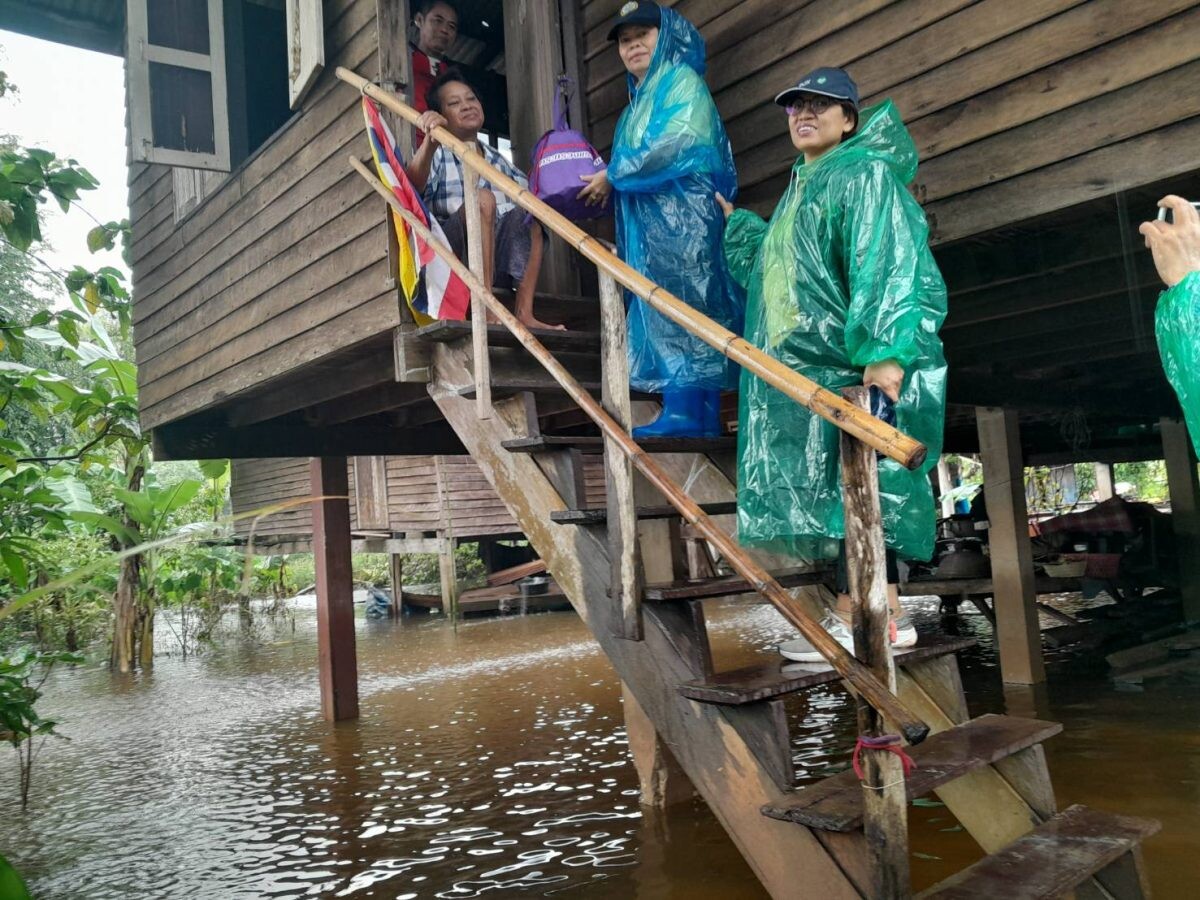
point(670, 154)
point(1177, 325)
point(840, 278)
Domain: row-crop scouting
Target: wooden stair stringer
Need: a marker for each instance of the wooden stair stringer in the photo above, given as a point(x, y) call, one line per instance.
point(711, 751)
point(984, 802)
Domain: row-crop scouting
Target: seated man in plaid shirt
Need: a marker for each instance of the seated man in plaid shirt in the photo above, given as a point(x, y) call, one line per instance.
point(512, 250)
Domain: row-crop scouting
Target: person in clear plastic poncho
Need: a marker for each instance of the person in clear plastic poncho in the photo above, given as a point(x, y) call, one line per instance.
point(1176, 249)
point(670, 153)
point(843, 289)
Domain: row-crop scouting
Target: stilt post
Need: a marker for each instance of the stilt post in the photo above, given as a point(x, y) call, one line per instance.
point(1185, 511)
point(1014, 586)
point(335, 588)
point(396, 576)
point(1105, 488)
point(885, 797)
point(448, 575)
point(662, 781)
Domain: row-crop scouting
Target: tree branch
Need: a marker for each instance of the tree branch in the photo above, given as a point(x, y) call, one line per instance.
point(77, 454)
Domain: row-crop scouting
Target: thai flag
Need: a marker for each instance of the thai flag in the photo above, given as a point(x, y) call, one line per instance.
point(430, 286)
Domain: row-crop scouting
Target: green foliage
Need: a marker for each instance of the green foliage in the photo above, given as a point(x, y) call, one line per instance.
point(1149, 480)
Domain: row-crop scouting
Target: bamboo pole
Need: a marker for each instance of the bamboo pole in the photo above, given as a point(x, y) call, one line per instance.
point(824, 403)
point(885, 796)
point(847, 666)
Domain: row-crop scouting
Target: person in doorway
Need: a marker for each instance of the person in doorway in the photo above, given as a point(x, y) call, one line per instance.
point(437, 29)
point(842, 288)
point(512, 249)
point(670, 153)
point(1175, 246)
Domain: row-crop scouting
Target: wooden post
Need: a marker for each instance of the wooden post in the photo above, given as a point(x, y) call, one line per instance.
point(1185, 512)
point(448, 576)
point(1105, 487)
point(1013, 584)
point(627, 576)
point(660, 777)
point(396, 571)
point(479, 335)
point(885, 796)
point(945, 484)
point(335, 589)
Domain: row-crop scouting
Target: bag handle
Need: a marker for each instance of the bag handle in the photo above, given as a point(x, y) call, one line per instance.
point(562, 97)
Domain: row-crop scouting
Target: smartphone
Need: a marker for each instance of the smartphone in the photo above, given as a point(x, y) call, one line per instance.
point(1164, 212)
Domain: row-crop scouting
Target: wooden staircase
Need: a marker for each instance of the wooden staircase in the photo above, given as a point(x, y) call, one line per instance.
point(728, 729)
point(621, 568)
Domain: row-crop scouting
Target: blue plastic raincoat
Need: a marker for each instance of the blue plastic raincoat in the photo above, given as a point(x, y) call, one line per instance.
point(1177, 325)
point(670, 153)
point(842, 277)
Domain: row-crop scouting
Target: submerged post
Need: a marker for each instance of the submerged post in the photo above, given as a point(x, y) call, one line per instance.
point(885, 796)
point(336, 661)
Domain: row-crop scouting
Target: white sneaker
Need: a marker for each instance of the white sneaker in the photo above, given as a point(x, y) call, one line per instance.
point(903, 635)
point(800, 650)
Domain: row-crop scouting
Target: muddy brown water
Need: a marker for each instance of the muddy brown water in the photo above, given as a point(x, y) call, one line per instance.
point(490, 760)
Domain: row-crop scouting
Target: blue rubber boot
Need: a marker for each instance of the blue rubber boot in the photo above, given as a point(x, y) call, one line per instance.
point(711, 417)
point(681, 416)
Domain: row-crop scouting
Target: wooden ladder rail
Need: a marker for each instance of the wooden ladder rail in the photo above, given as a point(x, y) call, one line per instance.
point(858, 675)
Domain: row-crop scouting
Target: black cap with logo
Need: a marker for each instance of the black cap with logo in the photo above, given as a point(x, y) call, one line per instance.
point(636, 12)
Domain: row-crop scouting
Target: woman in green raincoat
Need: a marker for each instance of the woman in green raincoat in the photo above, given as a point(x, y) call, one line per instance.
point(670, 153)
point(1176, 249)
point(842, 288)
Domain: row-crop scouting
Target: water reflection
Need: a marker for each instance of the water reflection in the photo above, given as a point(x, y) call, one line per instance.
point(490, 759)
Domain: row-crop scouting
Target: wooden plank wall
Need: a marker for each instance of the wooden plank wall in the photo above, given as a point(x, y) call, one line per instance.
point(282, 265)
point(1017, 109)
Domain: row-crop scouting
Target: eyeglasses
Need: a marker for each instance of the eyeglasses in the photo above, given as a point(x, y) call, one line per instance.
point(817, 104)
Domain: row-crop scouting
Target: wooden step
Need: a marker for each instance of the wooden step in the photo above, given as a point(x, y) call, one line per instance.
point(445, 331)
point(731, 585)
point(591, 443)
point(762, 682)
point(599, 516)
point(1051, 860)
point(835, 804)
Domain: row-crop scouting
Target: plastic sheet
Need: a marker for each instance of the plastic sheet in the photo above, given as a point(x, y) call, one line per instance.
point(670, 153)
point(1177, 325)
point(842, 277)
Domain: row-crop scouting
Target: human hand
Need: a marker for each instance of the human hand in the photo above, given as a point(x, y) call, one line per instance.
point(1174, 245)
point(597, 189)
point(726, 206)
point(431, 119)
point(888, 376)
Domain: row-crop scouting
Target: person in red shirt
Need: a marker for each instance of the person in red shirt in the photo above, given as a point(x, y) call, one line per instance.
point(437, 29)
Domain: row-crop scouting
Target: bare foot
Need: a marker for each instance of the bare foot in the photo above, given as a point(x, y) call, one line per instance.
point(531, 322)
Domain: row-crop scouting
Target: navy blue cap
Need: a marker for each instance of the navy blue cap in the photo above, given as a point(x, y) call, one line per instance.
point(636, 12)
point(826, 81)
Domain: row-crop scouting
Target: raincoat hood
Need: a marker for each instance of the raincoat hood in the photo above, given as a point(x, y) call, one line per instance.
point(679, 43)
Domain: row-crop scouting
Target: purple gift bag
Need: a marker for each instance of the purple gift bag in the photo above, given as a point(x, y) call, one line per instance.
point(560, 157)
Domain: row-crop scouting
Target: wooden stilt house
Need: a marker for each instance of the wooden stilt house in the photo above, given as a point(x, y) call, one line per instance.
point(268, 325)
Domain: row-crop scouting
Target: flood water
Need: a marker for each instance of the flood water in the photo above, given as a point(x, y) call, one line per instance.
point(490, 760)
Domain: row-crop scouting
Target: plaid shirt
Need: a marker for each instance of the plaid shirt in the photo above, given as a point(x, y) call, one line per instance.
point(444, 190)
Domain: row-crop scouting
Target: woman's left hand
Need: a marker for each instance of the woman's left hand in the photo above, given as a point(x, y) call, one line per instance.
point(597, 189)
point(888, 376)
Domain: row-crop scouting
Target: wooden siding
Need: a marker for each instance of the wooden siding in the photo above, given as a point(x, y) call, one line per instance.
point(1017, 109)
point(283, 264)
point(424, 494)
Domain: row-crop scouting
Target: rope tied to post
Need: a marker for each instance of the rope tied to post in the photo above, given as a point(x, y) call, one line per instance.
point(889, 743)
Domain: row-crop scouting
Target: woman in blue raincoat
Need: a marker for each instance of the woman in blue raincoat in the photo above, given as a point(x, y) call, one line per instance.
point(842, 288)
point(670, 153)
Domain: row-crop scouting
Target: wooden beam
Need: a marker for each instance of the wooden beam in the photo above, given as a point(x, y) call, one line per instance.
point(1185, 511)
point(338, 669)
point(663, 783)
point(1105, 488)
point(448, 576)
point(1015, 591)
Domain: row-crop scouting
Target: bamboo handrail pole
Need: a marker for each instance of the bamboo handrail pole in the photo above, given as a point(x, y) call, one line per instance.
point(847, 666)
point(905, 450)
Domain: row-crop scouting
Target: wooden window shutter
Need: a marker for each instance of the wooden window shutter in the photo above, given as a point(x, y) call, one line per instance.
point(175, 65)
point(371, 493)
point(306, 47)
